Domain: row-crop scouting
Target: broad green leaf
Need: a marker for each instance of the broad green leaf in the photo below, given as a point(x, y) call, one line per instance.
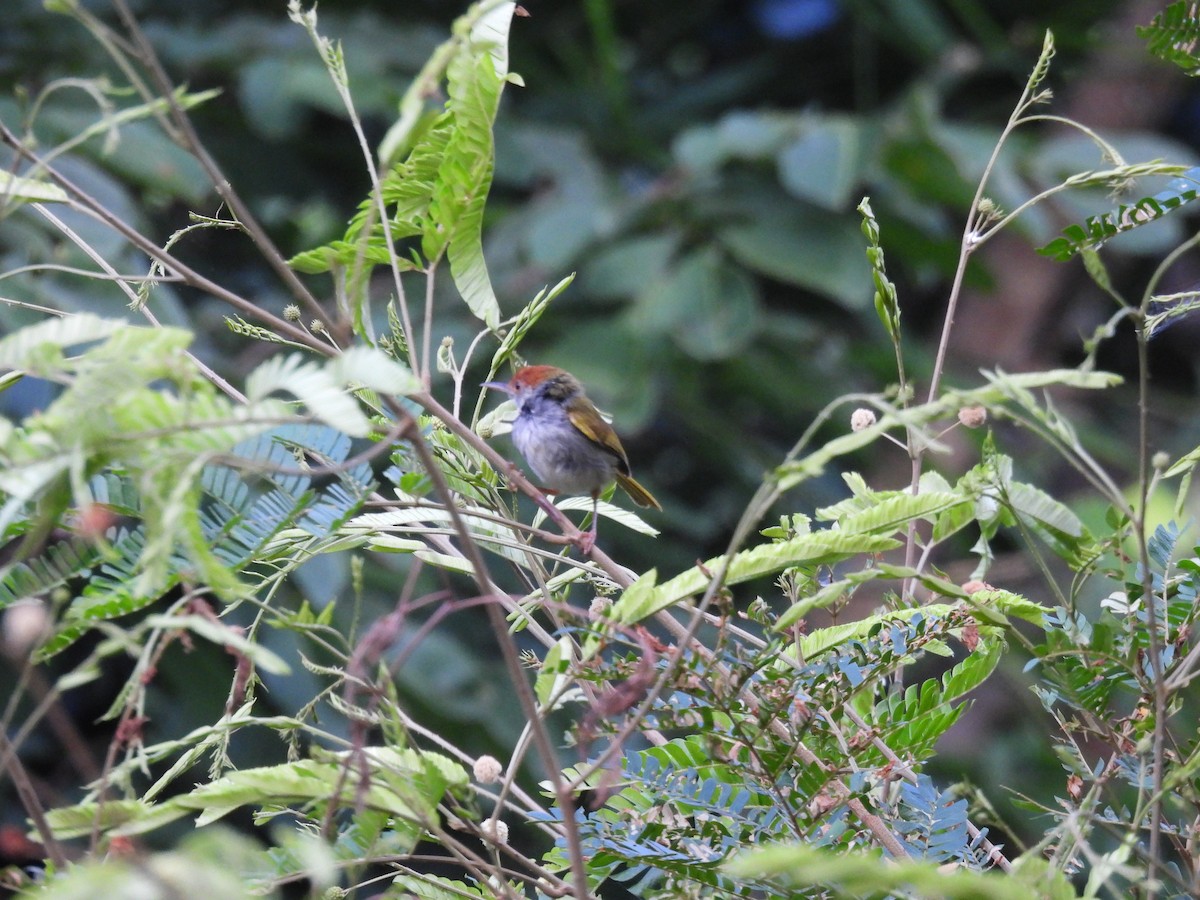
point(850, 873)
point(806, 247)
point(623, 269)
point(14, 188)
point(888, 515)
point(822, 164)
point(707, 306)
point(739, 135)
point(645, 597)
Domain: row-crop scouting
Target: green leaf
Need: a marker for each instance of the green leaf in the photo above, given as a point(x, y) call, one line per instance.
point(830, 593)
point(822, 165)
point(1172, 36)
point(624, 268)
point(887, 305)
point(315, 386)
point(618, 514)
point(523, 324)
point(224, 636)
point(894, 512)
point(121, 816)
point(707, 306)
point(1034, 503)
point(371, 368)
point(27, 348)
point(803, 246)
point(475, 78)
point(1166, 309)
point(801, 866)
point(1001, 387)
point(1096, 230)
point(14, 188)
point(552, 677)
point(406, 784)
point(644, 597)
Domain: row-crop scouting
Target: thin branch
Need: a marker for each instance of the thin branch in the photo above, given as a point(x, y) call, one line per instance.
point(190, 141)
point(98, 210)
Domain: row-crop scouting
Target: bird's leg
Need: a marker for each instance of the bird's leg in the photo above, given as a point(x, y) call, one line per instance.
point(587, 540)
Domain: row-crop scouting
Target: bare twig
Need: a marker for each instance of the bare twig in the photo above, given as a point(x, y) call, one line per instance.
point(191, 142)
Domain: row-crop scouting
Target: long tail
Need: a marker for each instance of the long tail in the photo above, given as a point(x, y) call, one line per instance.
point(636, 492)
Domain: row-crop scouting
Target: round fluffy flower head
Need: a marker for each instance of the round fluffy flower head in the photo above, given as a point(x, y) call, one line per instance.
point(975, 586)
point(862, 419)
point(488, 770)
point(494, 830)
point(972, 416)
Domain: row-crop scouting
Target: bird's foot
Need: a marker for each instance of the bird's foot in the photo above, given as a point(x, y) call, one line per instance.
point(585, 542)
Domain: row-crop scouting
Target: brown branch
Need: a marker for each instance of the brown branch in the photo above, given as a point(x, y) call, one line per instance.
point(190, 141)
point(94, 207)
point(29, 799)
point(508, 648)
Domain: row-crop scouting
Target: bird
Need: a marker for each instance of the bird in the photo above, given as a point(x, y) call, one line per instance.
point(566, 442)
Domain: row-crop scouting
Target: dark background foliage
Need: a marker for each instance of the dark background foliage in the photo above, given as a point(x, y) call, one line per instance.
point(698, 164)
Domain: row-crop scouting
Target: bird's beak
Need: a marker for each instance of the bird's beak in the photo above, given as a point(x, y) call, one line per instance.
point(498, 386)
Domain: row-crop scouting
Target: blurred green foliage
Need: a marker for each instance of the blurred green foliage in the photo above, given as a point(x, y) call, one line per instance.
point(697, 164)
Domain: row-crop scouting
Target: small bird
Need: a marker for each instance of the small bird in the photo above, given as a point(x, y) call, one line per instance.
point(565, 441)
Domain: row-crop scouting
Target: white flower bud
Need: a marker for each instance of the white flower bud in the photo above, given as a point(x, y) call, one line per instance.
point(862, 419)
